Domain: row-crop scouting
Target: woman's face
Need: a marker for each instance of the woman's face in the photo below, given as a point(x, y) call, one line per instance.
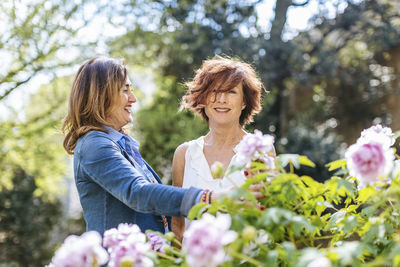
point(225, 108)
point(120, 114)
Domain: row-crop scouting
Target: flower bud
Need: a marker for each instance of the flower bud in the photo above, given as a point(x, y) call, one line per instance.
point(167, 249)
point(217, 170)
point(170, 236)
point(249, 233)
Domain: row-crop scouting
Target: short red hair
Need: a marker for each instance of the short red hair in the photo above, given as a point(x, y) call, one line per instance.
point(222, 74)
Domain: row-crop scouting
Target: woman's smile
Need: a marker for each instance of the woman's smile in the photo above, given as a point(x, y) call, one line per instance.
point(222, 110)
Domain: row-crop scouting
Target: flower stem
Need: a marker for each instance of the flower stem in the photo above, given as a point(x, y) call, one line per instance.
point(176, 252)
point(246, 258)
point(176, 241)
point(162, 255)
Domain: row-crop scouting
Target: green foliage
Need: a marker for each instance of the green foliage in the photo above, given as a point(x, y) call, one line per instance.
point(35, 144)
point(37, 39)
point(319, 146)
point(26, 222)
point(297, 221)
point(187, 33)
point(34, 39)
point(160, 135)
point(339, 73)
point(343, 68)
point(32, 168)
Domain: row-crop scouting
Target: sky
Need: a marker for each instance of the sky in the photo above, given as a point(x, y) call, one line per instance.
point(297, 20)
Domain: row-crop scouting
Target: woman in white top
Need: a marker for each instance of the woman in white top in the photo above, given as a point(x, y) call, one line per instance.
point(226, 93)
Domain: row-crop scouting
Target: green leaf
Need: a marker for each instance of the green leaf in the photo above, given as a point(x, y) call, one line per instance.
point(341, 163)
point(196, 210)
point(299, 223)
point(366, 193)
point(321, 206)
point(336, 217)
point(256, 166)
point(368, 211)
point(350, 223)
point(304, 160)
point(344, 186)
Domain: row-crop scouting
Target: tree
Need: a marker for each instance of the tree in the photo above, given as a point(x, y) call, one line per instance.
point(25, 223)
point(35, 38)
point(344, 75)
point(316, 79)
point(188, 32)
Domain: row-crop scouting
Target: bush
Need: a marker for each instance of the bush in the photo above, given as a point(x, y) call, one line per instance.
point(25, 223)
point(296, 223)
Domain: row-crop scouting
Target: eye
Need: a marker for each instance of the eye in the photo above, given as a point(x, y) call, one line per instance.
point(127, 89)
point(232, 91)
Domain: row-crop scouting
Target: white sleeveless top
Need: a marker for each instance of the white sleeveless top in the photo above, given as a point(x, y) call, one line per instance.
point(197, 172)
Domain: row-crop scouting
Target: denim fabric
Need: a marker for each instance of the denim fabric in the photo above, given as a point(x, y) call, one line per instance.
point(114, 189)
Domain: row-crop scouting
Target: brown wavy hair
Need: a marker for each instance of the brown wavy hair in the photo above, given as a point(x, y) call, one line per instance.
point(221, 74)
point(95, 89)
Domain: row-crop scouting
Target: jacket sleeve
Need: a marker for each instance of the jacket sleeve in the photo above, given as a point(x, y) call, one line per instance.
point(102, 161)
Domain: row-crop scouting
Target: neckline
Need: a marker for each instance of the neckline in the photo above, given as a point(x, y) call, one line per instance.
point(201, 143)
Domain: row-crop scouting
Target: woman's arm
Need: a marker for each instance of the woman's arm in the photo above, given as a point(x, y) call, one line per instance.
point(100, 160)
point(178, 168)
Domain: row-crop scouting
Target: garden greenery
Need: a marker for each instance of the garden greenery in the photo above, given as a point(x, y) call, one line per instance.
point(346, 221)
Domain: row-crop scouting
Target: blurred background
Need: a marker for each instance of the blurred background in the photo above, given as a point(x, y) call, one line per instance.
point(331, 68)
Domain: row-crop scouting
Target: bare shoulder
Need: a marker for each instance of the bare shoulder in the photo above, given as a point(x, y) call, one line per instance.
point(178, 164)
point(180, 151)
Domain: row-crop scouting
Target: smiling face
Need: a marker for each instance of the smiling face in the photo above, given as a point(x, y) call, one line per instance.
point(120, 112)
point(225, 108)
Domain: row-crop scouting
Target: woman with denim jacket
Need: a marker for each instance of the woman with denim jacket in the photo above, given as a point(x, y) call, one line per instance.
point(114, 183)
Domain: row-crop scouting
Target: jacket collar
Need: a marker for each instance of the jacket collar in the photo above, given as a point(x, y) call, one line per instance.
point(114, 134)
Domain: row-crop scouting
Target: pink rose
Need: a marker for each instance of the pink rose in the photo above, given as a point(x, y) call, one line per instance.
point(127, 244)
point(377, 133)
point(80, 251)
point(369, 161)
point(255, 147)
point(205, 239)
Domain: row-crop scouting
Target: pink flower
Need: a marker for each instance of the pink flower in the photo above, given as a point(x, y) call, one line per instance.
point(256, 147)
point(113, 236)
point(80, 251)
point(369, 161)
point(132, 251)
point(156, 242)
point(127, 243)
point(204, 241)
point(377, 133)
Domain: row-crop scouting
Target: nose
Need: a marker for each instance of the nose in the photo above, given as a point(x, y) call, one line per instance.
point(132, 97)
point(221, 97)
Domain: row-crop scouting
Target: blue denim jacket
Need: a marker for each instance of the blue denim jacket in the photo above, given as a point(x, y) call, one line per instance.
point(113, 189)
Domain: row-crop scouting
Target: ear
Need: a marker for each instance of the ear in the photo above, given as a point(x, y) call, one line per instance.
point(243, 106)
